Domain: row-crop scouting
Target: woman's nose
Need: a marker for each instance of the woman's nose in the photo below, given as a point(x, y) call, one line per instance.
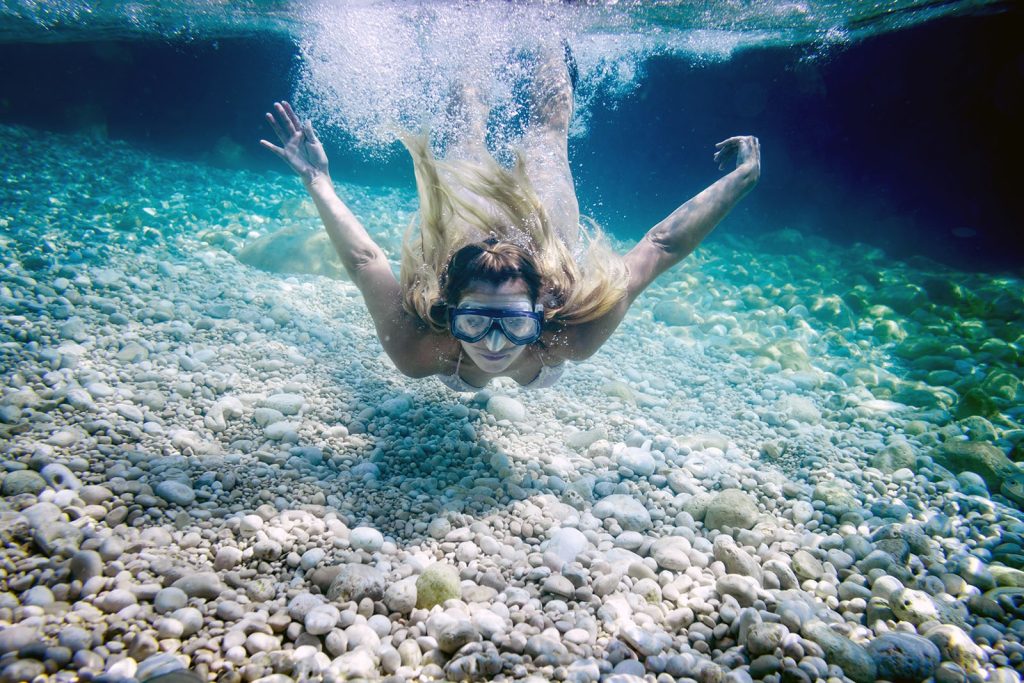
point(495, 340)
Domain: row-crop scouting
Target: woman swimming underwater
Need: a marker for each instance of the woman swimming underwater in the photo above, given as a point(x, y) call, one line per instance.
point(499, 280)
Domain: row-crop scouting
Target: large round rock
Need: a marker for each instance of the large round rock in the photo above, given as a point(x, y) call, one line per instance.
point(355, 582)
point(731, 508)
point(437, 583)
point(904, 657)
point(626, 510)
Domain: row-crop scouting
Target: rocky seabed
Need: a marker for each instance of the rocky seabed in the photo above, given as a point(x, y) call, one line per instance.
point(789, 464)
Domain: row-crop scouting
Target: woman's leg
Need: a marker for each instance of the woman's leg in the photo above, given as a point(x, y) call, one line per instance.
point(546, 145)
point(467, 125)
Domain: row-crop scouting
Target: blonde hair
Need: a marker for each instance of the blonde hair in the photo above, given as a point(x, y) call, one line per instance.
point(464, 202)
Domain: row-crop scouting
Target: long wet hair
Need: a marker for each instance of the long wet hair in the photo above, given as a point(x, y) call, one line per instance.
point(481, 221)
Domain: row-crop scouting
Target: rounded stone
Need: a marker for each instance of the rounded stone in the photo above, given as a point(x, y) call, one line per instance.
point(454, 635)
point(366, 538)
point(116, 600)
point(506, 408)
point(175, 492)
point(169, 599)
point(401, 596)
point(13, 638)
point(23, 481)
point(355, 582)
point(437, 583)
point(204, 585)
point(904, 657)
point(86, 564)
point(322, 619)
point(731, 508)
point(626, 510)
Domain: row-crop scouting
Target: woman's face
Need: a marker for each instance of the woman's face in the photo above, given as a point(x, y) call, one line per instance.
point(495, 352)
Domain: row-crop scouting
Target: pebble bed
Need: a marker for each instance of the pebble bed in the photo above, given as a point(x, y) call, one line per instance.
point(793, 462)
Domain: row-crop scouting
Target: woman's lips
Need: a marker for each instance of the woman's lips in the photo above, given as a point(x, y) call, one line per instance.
point(493, 356)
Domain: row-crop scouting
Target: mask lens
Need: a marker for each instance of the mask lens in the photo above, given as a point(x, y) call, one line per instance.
point(521, 327)
point(471, 325)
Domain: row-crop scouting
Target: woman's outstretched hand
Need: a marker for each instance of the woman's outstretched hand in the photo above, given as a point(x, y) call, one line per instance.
point(302, 149)
point(745, 149)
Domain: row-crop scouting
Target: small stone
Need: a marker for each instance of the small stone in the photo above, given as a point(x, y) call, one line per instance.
point(116, 600)
point(853, 659)
point(439, 528)
point(355, 582)
point(205, 585)
point(913, 606)
point(60, 478)
point(904, 657)
point(640, 462)
point(74, 638)
point(743, 588)
point(176, 492)
point(286, 404)
point(762, 639)
point(169, 599)
point(452, 636)
point(671, 553)
point(566, 544)
point(228, 557)
point(401, 596)
point(322, 619)
point(85, 564)
point(807, 566)
point(557, 584)
point(366, 538)
point(506, 408)
point(626, 510)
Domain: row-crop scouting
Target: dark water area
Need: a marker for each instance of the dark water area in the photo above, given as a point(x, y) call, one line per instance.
point(906, 141)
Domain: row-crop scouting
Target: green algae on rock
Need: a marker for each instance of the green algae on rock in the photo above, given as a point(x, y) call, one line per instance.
point(437, 583)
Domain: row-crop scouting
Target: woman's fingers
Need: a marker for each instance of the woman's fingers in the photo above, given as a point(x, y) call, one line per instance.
point(277, 128)
point(292, 118)
point(307, 129)
point(266, 144)
point(284, 119)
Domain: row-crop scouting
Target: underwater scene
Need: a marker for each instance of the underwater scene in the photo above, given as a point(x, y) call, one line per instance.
point(235, 447)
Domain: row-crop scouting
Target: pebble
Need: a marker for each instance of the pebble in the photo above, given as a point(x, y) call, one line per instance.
point(170, 599)
point(206, 585)
point(506, 408)
point(366, 538)
point(626, 510)
point(176, 492)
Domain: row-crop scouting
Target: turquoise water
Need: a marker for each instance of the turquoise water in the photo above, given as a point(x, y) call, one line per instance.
point(795, 460)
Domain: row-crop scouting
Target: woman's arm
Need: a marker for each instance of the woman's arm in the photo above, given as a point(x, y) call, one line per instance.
point(673, 239)
point(405, 338)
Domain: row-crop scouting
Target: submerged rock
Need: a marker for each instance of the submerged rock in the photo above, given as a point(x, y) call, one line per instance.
point(437, 583)
point(853, 659)
point(986, 460)
point(626, 510)
point(295, 249)
point(732, 508)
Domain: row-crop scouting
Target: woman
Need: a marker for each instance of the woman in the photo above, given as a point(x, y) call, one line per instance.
point(498, 281)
